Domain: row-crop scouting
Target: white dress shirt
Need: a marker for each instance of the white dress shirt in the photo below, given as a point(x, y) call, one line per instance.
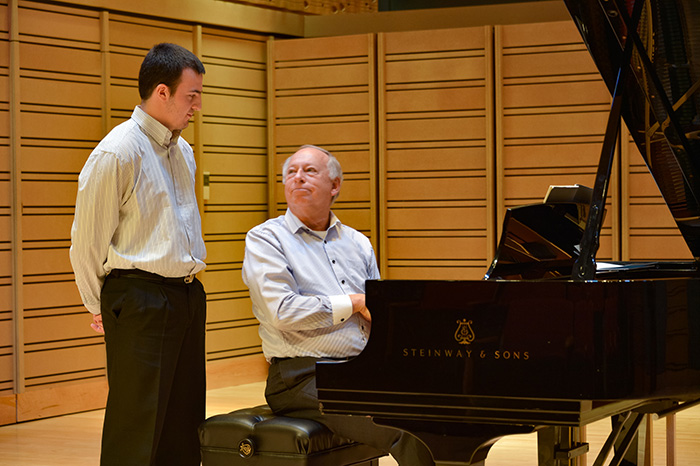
point(136, 207)
point(299, 284)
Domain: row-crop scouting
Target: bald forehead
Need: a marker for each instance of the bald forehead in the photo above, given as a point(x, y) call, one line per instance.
point(310, 151)
point(306, 156)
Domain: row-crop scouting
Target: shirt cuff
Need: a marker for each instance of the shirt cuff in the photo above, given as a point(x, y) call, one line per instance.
point(94, 309)
point(341, 307)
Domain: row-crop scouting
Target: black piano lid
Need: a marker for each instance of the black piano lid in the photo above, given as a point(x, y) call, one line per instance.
point(661, 100)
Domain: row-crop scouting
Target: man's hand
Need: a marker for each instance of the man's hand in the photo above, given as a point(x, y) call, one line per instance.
point(97, 323)
point(358, 305)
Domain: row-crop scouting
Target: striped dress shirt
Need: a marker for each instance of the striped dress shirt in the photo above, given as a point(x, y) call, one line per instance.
point(299, 284)
point(136, 207)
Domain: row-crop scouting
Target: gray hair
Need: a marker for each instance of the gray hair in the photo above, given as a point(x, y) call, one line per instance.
point(333, 165)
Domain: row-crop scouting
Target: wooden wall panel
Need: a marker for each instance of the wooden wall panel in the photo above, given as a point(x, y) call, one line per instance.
point(435, 153)
point(234, 153)
point(552, 110)
point(323, 94)
point(60, 112)
point(649, 231)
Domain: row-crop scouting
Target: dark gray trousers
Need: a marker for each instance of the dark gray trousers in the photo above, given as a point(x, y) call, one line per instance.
point(154, 334)
point(291, 391)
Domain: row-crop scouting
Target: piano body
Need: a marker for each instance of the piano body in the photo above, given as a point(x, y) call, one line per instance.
point(550, 340)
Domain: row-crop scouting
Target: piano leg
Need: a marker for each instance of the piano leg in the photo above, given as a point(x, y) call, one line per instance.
point(629, 451)
point(559, 446)
point(624, 440)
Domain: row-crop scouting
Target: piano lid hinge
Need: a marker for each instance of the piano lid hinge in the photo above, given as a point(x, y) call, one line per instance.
point(576, 450)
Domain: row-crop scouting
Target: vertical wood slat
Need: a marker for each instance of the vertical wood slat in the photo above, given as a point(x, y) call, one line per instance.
point(8, 322)
point(10, 268)
point(499, 169)
point(373, 142)
point(624, 197)
point(106, 72)
point(271, 134)
point(16, 200)
point(616, 207)
point(198, 143)
point(381, 157)
point(490, 147)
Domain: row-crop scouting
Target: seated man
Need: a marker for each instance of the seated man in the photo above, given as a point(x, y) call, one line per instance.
point(306, 273)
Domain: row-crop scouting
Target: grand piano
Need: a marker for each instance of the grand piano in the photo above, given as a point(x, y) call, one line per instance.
point(552, 340)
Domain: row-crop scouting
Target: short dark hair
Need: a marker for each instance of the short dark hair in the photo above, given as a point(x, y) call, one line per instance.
point(164, 64)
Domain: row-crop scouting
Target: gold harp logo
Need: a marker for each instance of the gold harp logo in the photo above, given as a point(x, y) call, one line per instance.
point(464, 334)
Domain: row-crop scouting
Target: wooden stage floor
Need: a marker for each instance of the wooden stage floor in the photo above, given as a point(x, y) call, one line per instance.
point(74, 440)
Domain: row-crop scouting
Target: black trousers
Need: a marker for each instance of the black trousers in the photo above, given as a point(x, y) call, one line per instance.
point(291, 391)
point(154, 334)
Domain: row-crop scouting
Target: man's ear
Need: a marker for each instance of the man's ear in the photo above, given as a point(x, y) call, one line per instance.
point(335, 189)
point(162, 92)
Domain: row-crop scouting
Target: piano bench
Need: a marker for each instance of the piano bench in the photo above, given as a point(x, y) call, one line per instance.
point(256, 437)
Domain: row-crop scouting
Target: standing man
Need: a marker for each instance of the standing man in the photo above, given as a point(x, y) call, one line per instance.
point(136, 246)
point(306, 273)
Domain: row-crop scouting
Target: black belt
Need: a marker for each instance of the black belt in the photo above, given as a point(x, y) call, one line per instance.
point(152, 277)
point(276, 360)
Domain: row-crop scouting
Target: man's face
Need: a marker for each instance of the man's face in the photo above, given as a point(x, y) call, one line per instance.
point(186, 99)
point(308, 187)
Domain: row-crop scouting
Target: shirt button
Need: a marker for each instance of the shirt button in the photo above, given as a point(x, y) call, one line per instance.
point(333, 261)
point(342, 281)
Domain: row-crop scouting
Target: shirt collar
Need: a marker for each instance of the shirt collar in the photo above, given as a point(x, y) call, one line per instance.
point(295, 225)
point(155, 129)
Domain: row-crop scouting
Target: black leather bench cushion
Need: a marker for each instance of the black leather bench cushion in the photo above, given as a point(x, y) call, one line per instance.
point(275, 441)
